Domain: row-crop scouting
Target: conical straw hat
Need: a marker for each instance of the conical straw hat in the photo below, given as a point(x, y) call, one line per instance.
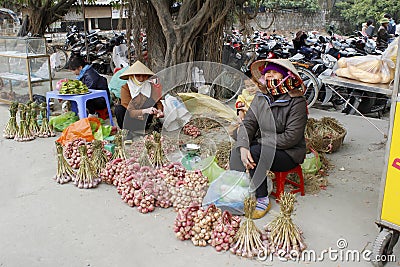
point(259, 65)
point(137, 68)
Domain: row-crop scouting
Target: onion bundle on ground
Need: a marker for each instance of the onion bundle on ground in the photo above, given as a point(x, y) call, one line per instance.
point(64, 171)
point(157, 156)
point(45, 129)
point(204, 224)
point(191, 130)
point(11, 129)
point(86, 176)
point(224, 232)
point(184, 222)
point(119, 144)
point(100, 156)
point(248, 241)
point(33, 125)
point(24, 133)
point(283, 235)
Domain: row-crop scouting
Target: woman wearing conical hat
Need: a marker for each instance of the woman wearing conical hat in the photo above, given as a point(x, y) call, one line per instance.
point(271, 135)
point(140, 99)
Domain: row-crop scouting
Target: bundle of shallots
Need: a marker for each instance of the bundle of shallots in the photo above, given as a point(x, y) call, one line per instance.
point(45, 129)
point(100, 156)
point(248, 240)
point(86, 176)
point(204, 224)
point(64, 171)
point(11, 129)
point(157, 158)
point(224, 232)
point(119, 144)
point(184, 222)
point(33, 125)
point(24, 133)
point(283, 235)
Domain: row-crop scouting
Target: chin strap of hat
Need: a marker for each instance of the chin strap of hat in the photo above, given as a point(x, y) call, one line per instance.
point(290, 75)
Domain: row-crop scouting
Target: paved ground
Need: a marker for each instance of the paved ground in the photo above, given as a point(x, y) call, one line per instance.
point(47, 224)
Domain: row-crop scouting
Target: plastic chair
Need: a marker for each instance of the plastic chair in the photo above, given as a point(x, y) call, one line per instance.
point(281, 178)
point(80, 101)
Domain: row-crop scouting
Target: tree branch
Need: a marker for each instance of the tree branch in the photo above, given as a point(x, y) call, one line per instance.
point(163, 14)
point(198, 18)
point(183, 11)
point(221, 17)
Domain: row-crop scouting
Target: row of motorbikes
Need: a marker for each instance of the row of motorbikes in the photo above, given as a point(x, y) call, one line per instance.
point(105, 54)
point(315, 61)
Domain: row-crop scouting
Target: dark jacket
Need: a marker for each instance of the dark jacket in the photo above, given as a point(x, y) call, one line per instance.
point(382, 38)
point(94, 80)
point(282, 124)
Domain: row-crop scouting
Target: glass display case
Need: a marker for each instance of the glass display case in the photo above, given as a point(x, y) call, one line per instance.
point(24, 68)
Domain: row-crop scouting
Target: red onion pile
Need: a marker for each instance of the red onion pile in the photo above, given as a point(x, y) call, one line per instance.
point(144, 188)
point(191, 130)
point(184, 222)
point(189, 190)
point(224, 232)
point(204, 224)
point(72, 154)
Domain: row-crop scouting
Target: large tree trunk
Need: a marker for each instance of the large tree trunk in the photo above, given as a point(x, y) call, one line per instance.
point(194, 33)
point(43, 13)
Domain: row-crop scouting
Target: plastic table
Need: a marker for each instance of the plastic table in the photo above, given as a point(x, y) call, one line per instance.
point(80, 101)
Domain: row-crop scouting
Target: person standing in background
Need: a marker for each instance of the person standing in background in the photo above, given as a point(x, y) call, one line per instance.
point(391, 28)
point(368, 28)
point(383, 37)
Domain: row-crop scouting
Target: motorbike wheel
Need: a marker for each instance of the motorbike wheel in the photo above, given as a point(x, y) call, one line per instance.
point(311, 83)
point(362, 101)
point(62, 57)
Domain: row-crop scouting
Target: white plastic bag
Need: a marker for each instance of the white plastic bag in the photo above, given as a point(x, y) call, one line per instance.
point(175, 113)
point(228, 191)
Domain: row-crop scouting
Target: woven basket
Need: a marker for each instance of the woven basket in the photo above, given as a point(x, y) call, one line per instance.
point(325, 135)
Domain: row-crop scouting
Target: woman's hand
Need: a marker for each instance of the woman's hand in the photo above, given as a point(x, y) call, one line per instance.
point(151, 110)
point(241, 115)
point(246, 158)
point(159, 113)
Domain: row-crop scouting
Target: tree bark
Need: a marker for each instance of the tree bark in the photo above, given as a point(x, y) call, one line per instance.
point(43, 13)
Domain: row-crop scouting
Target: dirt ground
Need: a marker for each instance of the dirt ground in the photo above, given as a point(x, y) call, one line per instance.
point(43, 223)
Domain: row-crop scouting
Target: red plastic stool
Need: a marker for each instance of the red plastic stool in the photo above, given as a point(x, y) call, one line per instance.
point(103, 113)
point(280, 180)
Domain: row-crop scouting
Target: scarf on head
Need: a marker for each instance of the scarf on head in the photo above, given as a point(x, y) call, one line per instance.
point(136, 87)
point(282, 86)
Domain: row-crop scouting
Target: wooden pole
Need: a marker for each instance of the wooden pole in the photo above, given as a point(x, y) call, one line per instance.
point(85, 30)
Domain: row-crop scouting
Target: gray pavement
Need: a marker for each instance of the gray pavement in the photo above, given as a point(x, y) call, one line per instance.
point(43, 223)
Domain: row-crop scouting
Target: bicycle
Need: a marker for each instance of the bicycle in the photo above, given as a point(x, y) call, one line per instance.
point(58, 56)
point(310, 82)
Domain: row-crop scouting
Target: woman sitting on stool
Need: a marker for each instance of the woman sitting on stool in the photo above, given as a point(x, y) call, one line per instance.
point(140, 99)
